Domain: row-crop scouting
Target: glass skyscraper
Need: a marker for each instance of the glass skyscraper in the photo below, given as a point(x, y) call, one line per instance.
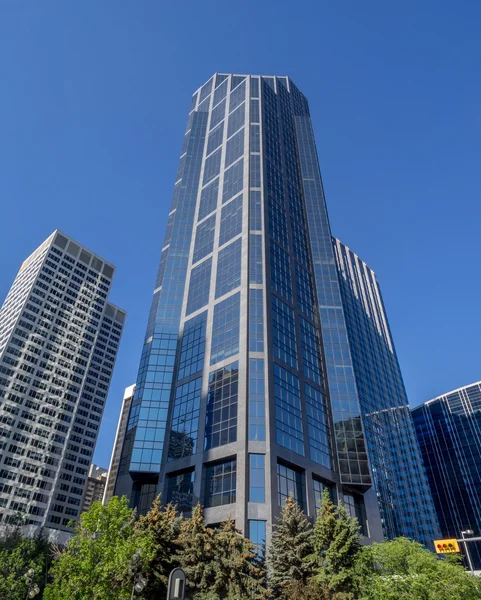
point(449, 434)
point(404, 497)
point(232, 405)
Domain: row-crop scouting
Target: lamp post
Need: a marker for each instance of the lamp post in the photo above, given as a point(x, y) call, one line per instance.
point(32, 588)
point(139, 581)
point(468, 556)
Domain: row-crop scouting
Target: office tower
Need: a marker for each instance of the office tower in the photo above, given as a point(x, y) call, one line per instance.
point(59, 338)
point(231, 406)
point(405, 501)
point(118, 443)
point(95, 488)
point(449, 433)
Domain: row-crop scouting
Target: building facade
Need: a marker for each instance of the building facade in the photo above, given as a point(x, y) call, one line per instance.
point(118, 443)
point(399, 478)
point(95, 488)
point(59, 338)
point(449, 433)
point(232, 405)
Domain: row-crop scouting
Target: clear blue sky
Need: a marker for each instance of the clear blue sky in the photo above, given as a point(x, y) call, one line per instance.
point(93, 104)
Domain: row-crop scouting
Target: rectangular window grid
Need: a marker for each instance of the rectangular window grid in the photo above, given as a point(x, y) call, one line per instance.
point(291, 481)
point(231, 220)
point(288, 410)
point(221, 483)
point(199, 287)
point(256, 320)
point(256, 478)
point(185, 420)
point(193, 346)
point(204, 239)
point(221, 412)
point(257, 409)
point(225, 329)
point(229, 268)
point(284, 332)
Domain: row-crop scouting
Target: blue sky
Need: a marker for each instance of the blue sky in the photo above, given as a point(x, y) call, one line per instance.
point(93, 104)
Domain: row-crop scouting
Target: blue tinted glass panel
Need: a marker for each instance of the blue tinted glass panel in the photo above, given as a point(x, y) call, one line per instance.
point(255, 118)
point(284, 332)
point(233, 180)
point(204, 239)
point(291, 481)
point(217, 115)
point(215, 138)
point(193, 346)
point(221, 415)
point(257, 409)
point(206, 90)
point(256, 478)
point(185, 420)
point(310, 351)
point(280, 271)
point(231, 220)
point(255, 259)
point(221, 484)
point(212, 166)
point(288, 410)
point(220, 93)
point(208, 199)
point(305, 291)
point(255, 174)
point(257, 535)
point(318, 426)
point(229, 268)
point(255, 138)
point(180, 490)
point(255, 208)
point(235, 148)
point(256, 320)
point(225, 329)
point(236, 80)
point(199, 286)
point(254, 87)
point(236, 119)
point(237, 96)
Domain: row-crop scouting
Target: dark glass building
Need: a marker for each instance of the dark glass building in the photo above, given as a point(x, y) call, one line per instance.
point(399, 478)
point(449, 434)
point(246, 389)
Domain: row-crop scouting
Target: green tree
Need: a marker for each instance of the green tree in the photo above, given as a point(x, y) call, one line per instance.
point(290, 560)
point(97, 563)
point(162, 524)
point(17, 556)
point(404, 570)
point(336, 546)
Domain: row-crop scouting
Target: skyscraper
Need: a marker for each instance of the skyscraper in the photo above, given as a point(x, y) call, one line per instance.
point(405, 501)
point(59, 338)
point(232, 406)
point(449, 434)
point(118, 443)
point(95, 488)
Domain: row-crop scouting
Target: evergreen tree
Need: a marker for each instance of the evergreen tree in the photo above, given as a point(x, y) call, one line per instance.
point(162, 524)
point(336, 545)
point(290, 560)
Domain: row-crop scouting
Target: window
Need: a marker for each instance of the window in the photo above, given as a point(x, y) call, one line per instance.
point(220, 93)
point(231, 220)
point(236, 119)
point(288, 410)
point(185, 419)
point(256, 320)
point(229, 268)
point(310, 351)
point(254, 87)
point(221, 414)
point(256, 478)
point(255, 259)
point(212, 166)
point(215, 138)
point(225, 329)
point(199, 287)
point(257, 535)
point(204, 239)
point(255, 209)
point(255, 172)
point(233, 180)
point(257, 411)
point(193, 346)
point(255, 116)
point(208, 199)
point(280, 271)
point(221, 483)
point(305, 292)
point(255, 139)
point(235, 148)
point(319, 487)
point(217, 114)
point(318, 426)
point(284, 332)
point(180, 490)
point(291, 481)
point(354, 504)
point(237, 96)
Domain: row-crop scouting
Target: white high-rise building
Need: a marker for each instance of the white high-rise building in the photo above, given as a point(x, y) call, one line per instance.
point(59, 338)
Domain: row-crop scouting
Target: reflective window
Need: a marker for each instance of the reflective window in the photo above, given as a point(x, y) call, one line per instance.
point(221, 483)
point(305, 291)
point(235, 148)
point(257, 535)
point(236, 120)
point(204, 239)
point(288, 410)
point(229, 268)
point(299, 243)
point(221, 415)
point(255, 173)
point(185, 419)
point(208, 199)
point(354, 504)
point(319, 487)
point(256, 320)
point(280, 271)
point(215, 138)
point(231, 220)
point(212, 166)
point(220, 93)
point(257, 410)
point(310, 351)
point(217, 114)
point(233, 180)
point(254, 87)
point(225, 329)
point(255, 210)
point(255, 259)
point(256, 478)
point(199, 286)
point(291, 481)
point(255, 111)
point(180, 490)
point(318, 426)
point(255, 139)
point(206, 90)
point(284, 332)
point(236, 80)
point(192, 346)
point(237, 96)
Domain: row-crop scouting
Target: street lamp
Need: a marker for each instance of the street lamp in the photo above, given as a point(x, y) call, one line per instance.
point(32, 588)
point(139, 581)
point(468, 556)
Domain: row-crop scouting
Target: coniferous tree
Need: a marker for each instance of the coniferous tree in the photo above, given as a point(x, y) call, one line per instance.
point(336, 546)
point(162, 524)
point(290, 557)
